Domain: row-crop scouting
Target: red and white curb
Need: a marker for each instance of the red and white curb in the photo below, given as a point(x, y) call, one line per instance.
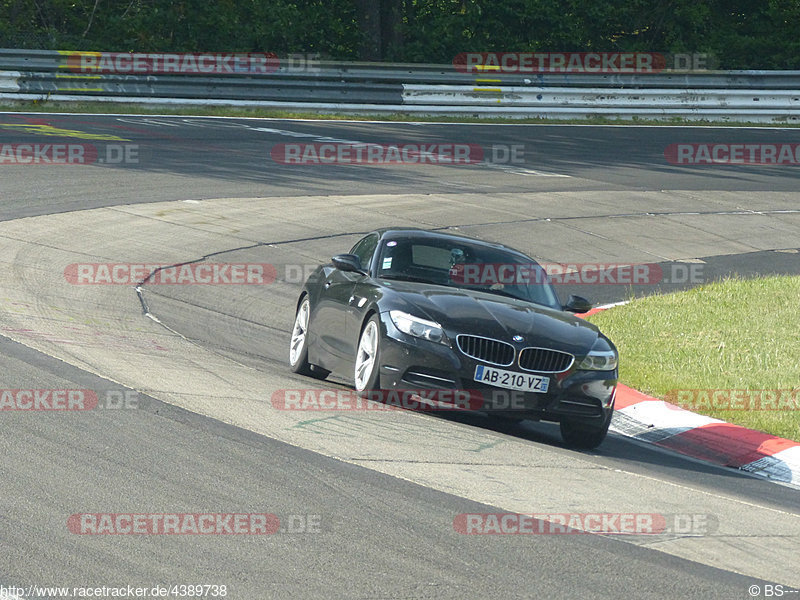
point(666, 425)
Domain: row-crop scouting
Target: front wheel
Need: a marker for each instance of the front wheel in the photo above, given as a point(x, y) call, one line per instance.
point(582, 436)
point(298, 347)
point(367, 368)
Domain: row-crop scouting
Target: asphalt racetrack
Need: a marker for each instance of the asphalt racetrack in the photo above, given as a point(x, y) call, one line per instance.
point(368, 501)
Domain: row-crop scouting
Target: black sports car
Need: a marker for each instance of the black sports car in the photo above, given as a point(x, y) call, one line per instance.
point(409, 309)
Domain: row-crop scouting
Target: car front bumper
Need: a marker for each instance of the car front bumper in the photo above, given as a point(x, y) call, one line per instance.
point(410, 363)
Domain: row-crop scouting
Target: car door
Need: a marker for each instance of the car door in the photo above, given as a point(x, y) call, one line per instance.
point(329, 318)
point(335, 303)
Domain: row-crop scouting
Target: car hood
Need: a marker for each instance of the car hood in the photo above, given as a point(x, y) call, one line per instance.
point(491, 315)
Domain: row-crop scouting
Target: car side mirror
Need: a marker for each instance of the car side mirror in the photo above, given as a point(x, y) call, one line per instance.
point(577, 304)
point(349, 263)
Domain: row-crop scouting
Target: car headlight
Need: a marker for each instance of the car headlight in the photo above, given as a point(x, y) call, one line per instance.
point(600, 358)
point(421, 328)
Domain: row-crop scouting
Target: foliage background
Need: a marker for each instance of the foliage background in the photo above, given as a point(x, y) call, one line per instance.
point(740, 34)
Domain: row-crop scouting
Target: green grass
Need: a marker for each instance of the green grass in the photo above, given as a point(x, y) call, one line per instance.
point(735, 334)
point(224, 111)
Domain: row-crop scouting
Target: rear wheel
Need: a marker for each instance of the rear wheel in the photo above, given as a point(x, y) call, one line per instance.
point(581, 435)
point(298, 347)
point(367, 370)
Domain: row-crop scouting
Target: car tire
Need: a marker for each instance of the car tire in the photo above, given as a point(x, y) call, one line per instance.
point(366, 370)
point(298, 346)
point(580, 435)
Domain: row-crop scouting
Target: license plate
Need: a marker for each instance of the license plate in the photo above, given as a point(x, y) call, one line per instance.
point(512, 380)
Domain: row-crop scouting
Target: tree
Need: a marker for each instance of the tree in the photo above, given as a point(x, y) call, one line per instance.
point(381, 24)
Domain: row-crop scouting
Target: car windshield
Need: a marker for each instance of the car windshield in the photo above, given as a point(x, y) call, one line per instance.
point(463, 265)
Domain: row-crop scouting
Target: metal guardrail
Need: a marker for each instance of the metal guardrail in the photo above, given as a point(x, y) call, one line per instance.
point(760, 96)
